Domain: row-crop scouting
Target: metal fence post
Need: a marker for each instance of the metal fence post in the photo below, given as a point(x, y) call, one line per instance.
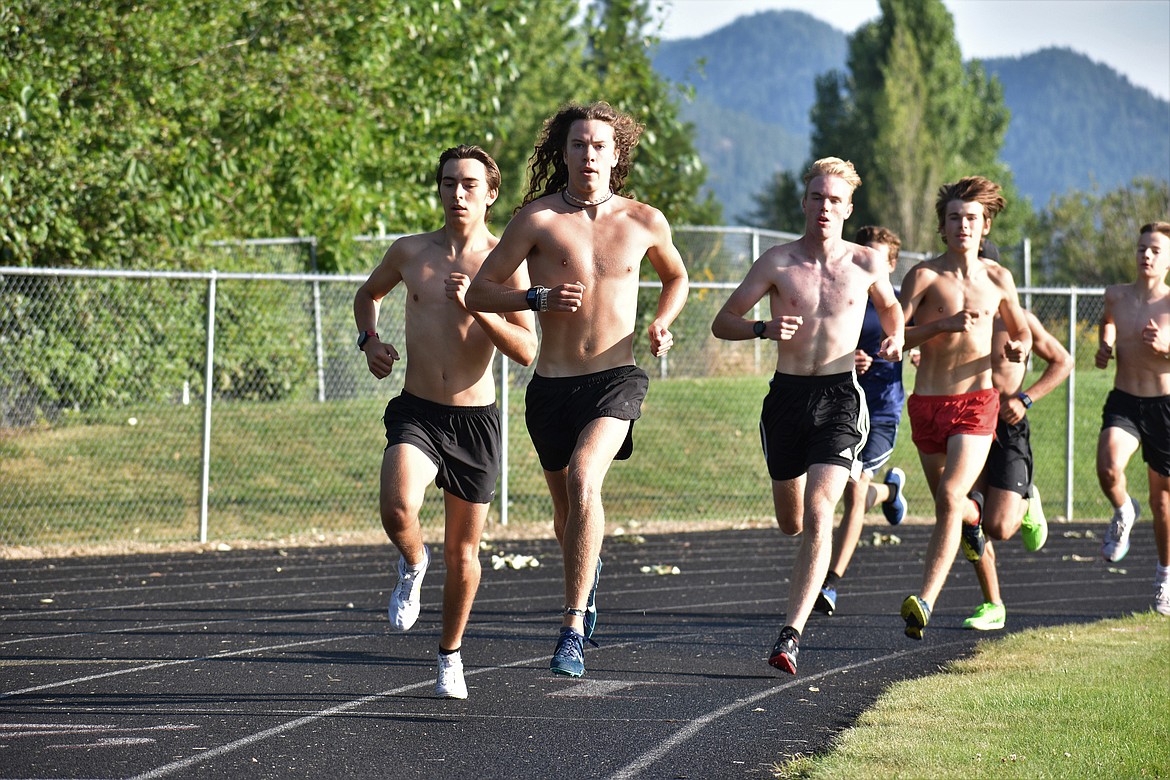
point(207, 388)
point(320, 346)
point(1027, 273)
point(1070, 445)
point(505, 417)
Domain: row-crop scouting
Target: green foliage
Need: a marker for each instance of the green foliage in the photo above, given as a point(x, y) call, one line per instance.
point(667, 172)
point(1088, 238)
point(911, 116)
point(778, 206)
point(132, 132)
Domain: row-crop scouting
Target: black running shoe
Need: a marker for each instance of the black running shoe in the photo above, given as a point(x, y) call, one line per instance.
point(786, 649)
point(826, 600)
point(972, 540)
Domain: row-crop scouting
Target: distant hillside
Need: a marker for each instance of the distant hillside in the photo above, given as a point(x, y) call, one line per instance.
point(754, 86)
point(1075, 123)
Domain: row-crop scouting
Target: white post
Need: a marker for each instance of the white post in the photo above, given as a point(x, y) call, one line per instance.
point(504, 417)
point(320, 347)
point(207, 388)
point(1070, 423)
point(1028, 272)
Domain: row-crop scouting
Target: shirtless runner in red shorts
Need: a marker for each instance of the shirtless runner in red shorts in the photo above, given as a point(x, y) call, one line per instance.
point(952, 300)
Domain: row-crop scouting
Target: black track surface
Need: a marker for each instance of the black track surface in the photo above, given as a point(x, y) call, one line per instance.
point(281, 664)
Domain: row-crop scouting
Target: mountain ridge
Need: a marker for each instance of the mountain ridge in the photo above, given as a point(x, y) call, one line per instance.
point(1076, 123)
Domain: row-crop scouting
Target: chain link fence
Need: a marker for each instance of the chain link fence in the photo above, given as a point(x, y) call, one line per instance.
point(163, 407)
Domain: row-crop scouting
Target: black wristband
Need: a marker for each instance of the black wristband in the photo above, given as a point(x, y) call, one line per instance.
point(758, 328)
point(537, 298)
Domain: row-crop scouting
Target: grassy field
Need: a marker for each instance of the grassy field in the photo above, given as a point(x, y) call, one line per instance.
point(306, 468)
point(1079, 701)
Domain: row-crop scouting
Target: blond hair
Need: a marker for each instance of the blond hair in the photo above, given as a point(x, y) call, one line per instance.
point(833, 166)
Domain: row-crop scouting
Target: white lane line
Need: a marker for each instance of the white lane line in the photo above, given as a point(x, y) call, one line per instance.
point(176, 766)
point(259, 736)
point(594, 688)
point(155, 627)
point(636, 767)
point(180, 662)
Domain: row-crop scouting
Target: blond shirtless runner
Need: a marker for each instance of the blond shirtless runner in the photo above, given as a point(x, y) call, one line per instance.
point(445, 426)
point(953, 300)
point(1135, 327)
point(813, 423)
point(584, 243)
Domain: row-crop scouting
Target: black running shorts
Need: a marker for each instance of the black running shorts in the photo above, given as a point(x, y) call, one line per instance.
point(1147, 419)
point(462, 441)
point(1009, 462)
point(558, 409)
point(807, 420)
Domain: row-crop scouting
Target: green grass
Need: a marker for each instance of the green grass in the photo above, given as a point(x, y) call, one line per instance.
point(298, 468)
point(1078, 701)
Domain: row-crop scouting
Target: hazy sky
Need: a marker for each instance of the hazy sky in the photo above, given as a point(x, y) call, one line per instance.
point(1131, 36)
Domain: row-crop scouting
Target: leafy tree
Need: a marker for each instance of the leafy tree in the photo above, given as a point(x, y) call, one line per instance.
point(668, 173)
point(778, 206)
point(1087, 238)
point(133, 133)
point(911, 116)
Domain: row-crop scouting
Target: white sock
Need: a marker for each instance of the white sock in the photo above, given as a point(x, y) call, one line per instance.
point(1162, 575)
point(1126, 510)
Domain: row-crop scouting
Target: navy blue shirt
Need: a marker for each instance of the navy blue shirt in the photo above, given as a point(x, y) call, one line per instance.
point(882, 383)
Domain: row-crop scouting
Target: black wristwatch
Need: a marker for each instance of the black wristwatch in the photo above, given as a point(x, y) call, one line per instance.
point(758, 328)
point(537, 298)
point(1025, 399)
point(365, 336)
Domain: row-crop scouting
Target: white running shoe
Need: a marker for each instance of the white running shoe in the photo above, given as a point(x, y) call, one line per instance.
point(1116, 543)
point(406, 600)
point(451, 684)
point(1162, 598)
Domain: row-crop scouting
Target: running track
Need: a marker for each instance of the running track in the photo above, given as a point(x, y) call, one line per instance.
point(280, 664)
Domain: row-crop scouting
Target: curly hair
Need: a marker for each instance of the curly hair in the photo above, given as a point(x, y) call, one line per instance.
point(971, 189)
point(547, 170)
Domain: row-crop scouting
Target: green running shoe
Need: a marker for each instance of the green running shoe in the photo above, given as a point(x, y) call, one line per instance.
point(988, 617)
point(1034, 528)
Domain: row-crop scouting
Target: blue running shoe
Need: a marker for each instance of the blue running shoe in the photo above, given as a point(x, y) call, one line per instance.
point(894, 507)
point(972, 539)
point(569, 657)
point(591, 606)
point(826, 600)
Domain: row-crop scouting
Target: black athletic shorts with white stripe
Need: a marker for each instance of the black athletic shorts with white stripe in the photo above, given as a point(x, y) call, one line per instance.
point(813, 419)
